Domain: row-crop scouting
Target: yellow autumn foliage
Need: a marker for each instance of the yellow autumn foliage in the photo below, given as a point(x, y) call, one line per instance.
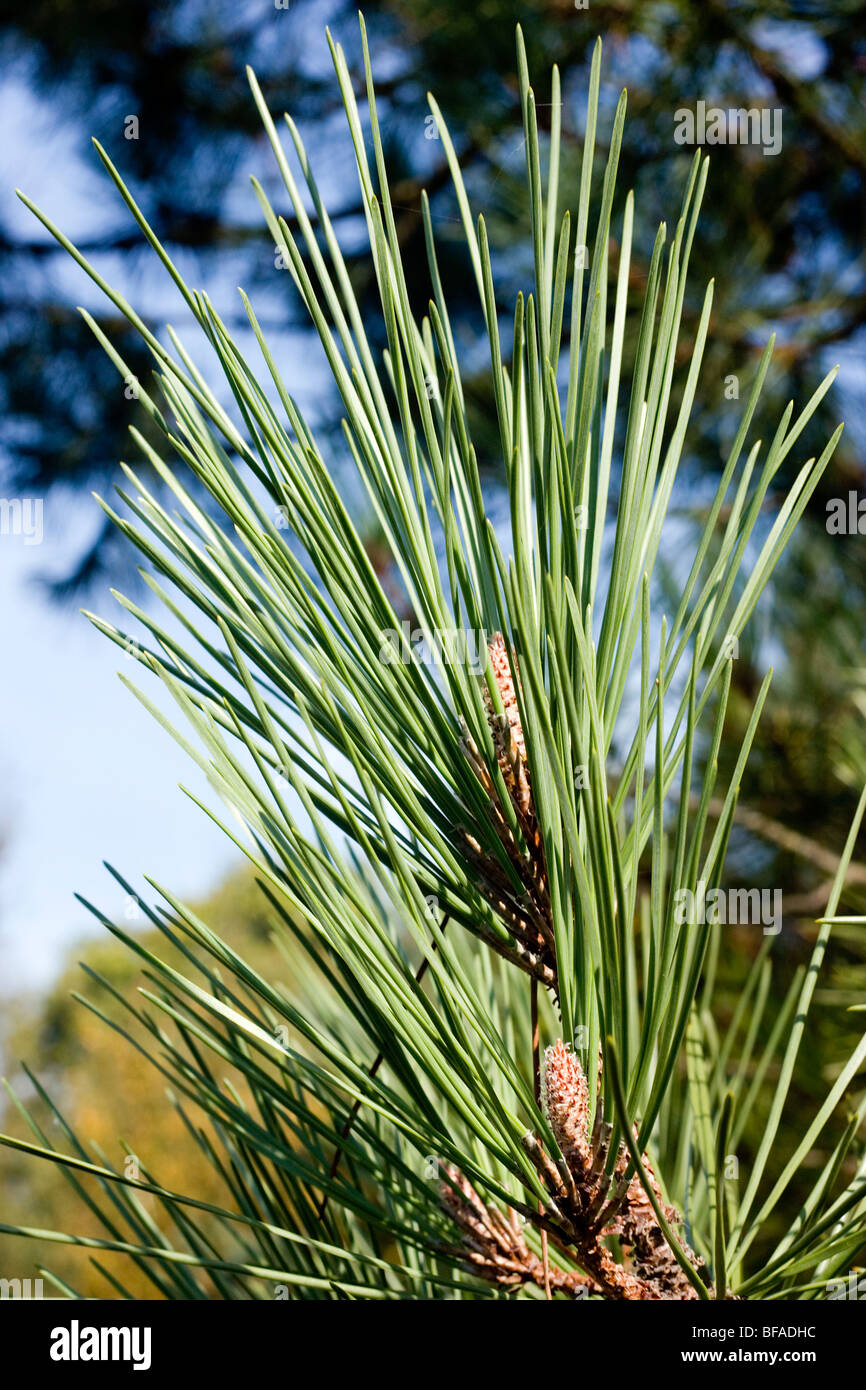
point(111, 1096)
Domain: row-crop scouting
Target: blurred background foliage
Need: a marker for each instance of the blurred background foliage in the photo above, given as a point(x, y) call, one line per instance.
point(782, 236)
point(99, 1081)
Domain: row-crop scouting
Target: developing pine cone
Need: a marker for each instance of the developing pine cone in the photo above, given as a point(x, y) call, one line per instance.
point(527, 913)
point(591, 1205)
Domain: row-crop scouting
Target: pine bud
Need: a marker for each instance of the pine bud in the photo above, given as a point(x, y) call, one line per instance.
point(565, 1095)
point(508, 731)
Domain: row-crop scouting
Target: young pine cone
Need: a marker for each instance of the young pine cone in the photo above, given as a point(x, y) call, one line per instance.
point(592, 1204)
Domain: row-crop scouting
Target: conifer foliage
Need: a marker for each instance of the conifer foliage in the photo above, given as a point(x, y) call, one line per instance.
point(499, 1070)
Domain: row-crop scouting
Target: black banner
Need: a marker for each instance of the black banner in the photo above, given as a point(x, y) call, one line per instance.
point(62, 1340)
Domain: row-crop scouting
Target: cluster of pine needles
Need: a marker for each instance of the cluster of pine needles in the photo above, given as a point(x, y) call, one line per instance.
point(496, 1066)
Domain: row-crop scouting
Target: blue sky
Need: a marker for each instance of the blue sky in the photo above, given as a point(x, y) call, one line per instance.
point(85, 773)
